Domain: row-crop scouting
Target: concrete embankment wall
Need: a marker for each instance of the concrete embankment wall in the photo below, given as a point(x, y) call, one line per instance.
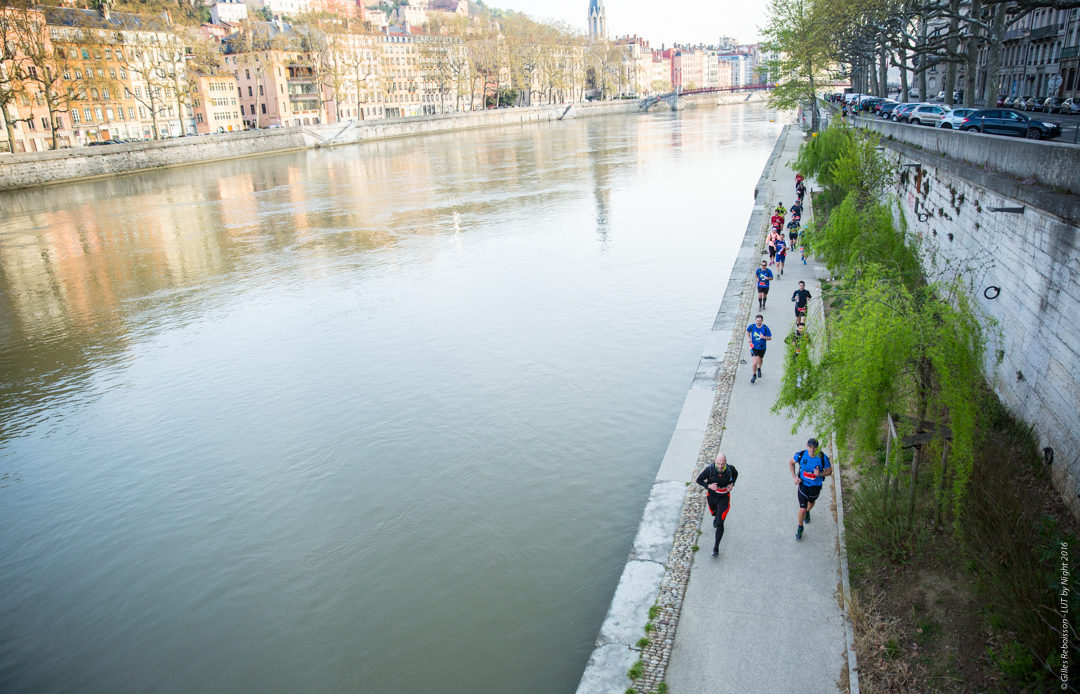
point(40, 168)
point(1022, 267)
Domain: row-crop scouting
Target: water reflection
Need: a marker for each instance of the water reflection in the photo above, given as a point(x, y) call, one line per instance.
point(280, 423)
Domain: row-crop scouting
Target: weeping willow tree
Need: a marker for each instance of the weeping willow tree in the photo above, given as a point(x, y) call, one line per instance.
point(895, 345)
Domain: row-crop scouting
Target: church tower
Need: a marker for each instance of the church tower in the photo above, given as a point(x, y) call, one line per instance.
point(597, 20)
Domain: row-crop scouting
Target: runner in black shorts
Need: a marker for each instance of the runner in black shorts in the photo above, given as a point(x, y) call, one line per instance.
point(764, 276)
point(809, 468)
point(801, 297)
point(758, 333)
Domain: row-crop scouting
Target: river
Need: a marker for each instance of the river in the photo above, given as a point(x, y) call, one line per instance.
point(381, 418)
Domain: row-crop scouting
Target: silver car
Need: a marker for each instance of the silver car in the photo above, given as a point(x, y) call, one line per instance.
point(954, 118)
point(927, 114)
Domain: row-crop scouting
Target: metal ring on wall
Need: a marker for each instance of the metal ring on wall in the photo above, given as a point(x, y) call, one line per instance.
point(992, 292)
point(923, 216)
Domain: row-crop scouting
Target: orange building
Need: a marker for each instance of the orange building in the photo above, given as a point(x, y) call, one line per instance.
point(215, 103)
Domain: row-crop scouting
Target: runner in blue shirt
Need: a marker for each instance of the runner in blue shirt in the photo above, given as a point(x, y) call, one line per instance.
point(764, 275)
point(758, 333)
point(781, 254)
point(809, 468)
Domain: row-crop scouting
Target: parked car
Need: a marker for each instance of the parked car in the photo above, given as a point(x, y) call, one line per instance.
point(901, 114)
point(1001, 100)
point(927, 114)
point(878, 106)
point(1009, 122)
point(1027, 103)
point(1070, 106)
point(1053, 104)
point(954, 118)
point(887, 108)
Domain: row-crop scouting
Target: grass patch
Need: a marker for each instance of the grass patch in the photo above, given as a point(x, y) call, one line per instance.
point(654, 612)
point(636, 670)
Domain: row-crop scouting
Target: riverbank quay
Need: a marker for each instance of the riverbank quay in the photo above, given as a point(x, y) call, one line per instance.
point(85, 163)
point(742, 621)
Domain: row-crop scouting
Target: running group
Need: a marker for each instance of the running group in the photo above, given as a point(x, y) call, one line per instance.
point(810, 466)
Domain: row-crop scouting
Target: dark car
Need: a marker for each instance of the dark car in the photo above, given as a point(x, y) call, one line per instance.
point(887, 108)
point(1053, 104)
point(1006, 122)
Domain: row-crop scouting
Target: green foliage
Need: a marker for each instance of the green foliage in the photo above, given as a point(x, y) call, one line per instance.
point(654, 612)
point(662, 688)
point(817, 155)
point(877, 529)
point(636, 670)
point(1016, 665)
point(643, 642)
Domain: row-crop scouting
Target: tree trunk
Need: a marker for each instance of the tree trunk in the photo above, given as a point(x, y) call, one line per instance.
point(10, 130)
point(914, 488)
point(883, 66)
point(950, 49)
point(941, 484)
point(971, 46)
point(993, 57)
point(923, 96)
point(905, 87)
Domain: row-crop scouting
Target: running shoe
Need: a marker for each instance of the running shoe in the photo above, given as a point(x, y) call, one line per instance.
point(753, 378)
point(798, 533)
point(759, 373)
point(807, 518)
point(716, 553)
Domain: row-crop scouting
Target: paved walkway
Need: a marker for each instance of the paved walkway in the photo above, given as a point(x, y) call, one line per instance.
point(764, 616)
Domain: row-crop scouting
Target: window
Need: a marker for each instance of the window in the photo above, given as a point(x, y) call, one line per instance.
point(250, 92)
point(260, 90)
point(97, 54)
point(85, 54)
point(123, 74)
point(108, 54)
point(67, 74)
point(33, 126)
point(101, 73)
point(120, 113)
point(198, 117)
point(94, 93)
point(131, 112)
point(105, 94)
point(78, 74)
point(142, 112)
point(97, 112)
point(247, 74)
point(74, 115)
point(88, 114)
point(112, 73)
point(59, 123)
point(109, 114)
point(120, 56)
point(253, 109)
point(263, 108)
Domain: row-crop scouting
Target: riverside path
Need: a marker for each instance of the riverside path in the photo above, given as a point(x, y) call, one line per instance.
point(765, 616)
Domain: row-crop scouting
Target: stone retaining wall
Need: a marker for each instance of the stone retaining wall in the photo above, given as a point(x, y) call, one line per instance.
point(1022, 270)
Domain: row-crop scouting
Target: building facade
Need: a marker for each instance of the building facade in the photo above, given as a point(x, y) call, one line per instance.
point(597, 21)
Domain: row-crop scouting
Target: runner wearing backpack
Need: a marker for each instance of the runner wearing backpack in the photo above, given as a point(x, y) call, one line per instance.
point(809, 468)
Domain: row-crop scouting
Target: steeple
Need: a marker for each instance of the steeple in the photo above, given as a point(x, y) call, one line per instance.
point(597, 20)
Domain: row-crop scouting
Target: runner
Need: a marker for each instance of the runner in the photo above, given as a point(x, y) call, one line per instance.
point(764, 275)
point(758, 333)
point(718, 479)
point(813, 467)
point(771, 242)
point(781, 253)
point(801, 297)
point(793, 232)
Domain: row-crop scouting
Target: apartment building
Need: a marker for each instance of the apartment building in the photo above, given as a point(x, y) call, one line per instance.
point(215, 103)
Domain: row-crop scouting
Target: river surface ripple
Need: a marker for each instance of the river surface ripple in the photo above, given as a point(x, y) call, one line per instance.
point(378, 418)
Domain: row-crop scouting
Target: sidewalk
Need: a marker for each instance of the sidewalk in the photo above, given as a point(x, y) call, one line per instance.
point(765, 616)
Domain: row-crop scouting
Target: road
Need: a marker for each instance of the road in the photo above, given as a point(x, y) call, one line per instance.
point(1070, 125)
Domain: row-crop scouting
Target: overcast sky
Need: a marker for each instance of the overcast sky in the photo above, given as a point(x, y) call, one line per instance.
point(659, 21)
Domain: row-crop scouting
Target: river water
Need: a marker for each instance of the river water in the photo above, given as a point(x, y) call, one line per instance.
point(381, 418)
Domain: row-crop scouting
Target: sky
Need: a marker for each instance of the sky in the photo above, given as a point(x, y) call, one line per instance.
point(659, 21)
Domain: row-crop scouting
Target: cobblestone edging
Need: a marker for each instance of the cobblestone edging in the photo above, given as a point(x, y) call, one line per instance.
point(656, 655)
